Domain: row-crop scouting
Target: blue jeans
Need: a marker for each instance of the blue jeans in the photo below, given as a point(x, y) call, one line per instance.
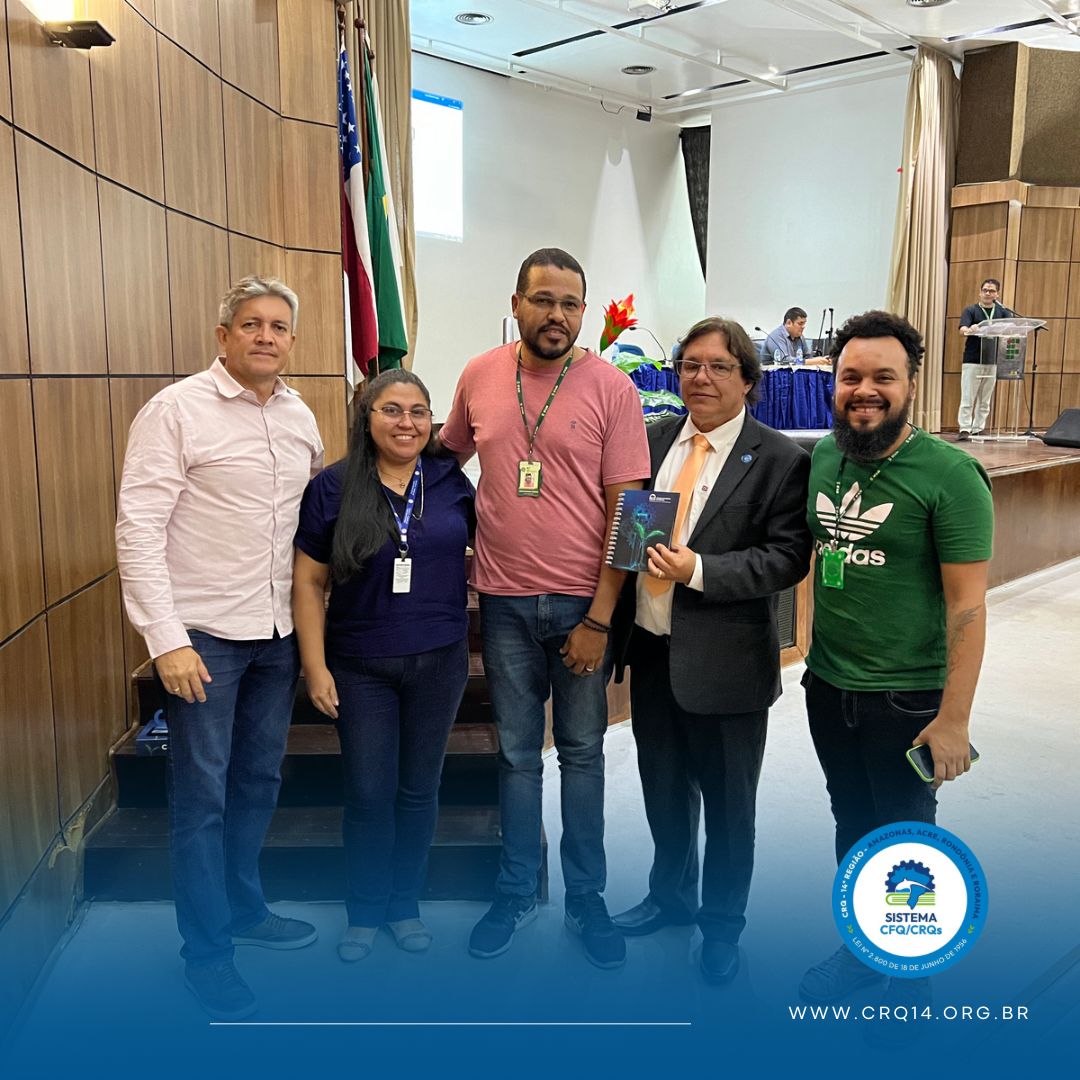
point(394, 718)
point(861, 738)
point(522, 636)
point(224, 772)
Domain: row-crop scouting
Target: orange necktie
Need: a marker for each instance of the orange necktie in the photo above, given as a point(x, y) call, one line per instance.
point(685, 483)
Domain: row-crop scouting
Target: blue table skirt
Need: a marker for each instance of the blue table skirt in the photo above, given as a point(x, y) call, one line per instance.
point(795, 398)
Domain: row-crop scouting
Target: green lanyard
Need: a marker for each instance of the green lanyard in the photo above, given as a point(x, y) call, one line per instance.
point(531, 436)
point(990, 317)
point(866, 487)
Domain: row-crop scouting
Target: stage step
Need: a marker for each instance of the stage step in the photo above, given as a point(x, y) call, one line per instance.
point(127, 856)
point(311, 771)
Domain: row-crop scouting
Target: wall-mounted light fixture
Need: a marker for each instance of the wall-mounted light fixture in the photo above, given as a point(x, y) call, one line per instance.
point(62, 28)
point(78, 33)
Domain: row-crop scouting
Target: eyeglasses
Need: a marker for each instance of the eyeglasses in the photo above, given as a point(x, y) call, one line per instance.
point(569, 305)
point(396, 412)
point(687, 369)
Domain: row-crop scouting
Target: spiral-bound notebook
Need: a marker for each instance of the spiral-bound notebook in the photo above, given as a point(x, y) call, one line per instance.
point(643, 519)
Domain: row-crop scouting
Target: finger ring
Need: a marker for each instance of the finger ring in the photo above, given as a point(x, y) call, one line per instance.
point(176, 689)
point(659, 573)
point(590, 669)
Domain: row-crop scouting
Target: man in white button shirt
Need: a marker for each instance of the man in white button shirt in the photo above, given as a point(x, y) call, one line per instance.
point(214, 472)
point(699, 634)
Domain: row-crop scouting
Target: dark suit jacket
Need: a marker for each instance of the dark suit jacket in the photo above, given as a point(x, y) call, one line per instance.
point(754, 542)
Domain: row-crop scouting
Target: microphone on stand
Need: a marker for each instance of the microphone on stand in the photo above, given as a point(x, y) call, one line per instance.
point(821, 328)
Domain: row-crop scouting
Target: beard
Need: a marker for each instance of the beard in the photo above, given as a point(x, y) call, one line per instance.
point(872, 444)
point(544, 351)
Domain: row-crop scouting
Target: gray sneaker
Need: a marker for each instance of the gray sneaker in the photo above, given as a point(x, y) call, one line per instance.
point(836, 977)
point(220, 990)
point(277, 932)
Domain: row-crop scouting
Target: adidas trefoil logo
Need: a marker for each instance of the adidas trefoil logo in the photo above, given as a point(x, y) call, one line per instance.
point(854, 525)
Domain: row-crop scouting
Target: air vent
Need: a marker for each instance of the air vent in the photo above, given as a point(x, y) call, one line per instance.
point(638, 69)
point(472, 18)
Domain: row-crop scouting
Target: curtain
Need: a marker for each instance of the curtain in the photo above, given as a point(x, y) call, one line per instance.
point(695, 148)
point(389, 36)
point(919, 278)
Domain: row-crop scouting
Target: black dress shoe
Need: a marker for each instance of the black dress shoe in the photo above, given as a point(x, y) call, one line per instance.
point(646, 918)
point(719, 962)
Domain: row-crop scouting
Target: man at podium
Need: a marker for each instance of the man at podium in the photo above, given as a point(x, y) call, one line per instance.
point(976, 378)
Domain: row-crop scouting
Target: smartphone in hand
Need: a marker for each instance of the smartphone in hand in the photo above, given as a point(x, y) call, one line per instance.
point(922, 761)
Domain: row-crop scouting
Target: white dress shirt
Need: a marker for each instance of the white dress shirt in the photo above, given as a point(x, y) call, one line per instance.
point(208, 509)
point(654, 612)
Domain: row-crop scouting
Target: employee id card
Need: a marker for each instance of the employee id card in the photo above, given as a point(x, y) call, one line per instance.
point(832, 568)
point(529, 478)
point(402, 575)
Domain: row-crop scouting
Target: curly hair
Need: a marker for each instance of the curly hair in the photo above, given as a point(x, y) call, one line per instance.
point(881, 324)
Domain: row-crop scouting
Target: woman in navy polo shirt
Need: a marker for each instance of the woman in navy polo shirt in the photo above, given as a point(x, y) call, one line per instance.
point(387, 526)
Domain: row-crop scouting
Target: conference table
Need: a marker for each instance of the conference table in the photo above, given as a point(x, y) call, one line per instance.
point(794, 397)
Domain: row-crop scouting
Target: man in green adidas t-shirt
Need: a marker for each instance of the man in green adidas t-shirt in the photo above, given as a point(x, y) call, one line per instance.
point(903, 524)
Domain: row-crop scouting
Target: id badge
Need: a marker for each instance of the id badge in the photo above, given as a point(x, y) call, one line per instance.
point(832, 569)
point(529, 478)
point(402, 575)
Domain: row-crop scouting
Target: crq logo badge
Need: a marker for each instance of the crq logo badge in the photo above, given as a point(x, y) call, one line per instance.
point(909, 899)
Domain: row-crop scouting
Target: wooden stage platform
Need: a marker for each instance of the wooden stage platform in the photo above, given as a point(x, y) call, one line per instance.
point(1036, 504)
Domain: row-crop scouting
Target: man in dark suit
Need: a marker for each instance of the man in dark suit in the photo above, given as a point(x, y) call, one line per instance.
point(699, 634)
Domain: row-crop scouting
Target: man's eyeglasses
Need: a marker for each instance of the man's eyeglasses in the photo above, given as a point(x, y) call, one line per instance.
point(396, 412)
point(687, 369)
point(568, 305)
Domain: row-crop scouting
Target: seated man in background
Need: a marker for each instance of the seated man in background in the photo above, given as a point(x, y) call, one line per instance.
point(786, 344)
point(699, 633)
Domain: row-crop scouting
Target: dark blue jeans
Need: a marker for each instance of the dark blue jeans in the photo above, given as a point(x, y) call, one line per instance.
point(224, 772)
point(394, 718)
point(861, 738)
point(522, 636)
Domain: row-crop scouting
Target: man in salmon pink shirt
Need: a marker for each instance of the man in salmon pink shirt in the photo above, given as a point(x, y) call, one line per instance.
point(559, 433)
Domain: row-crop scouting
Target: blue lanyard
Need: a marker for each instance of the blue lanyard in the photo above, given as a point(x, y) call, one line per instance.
point(403, 524)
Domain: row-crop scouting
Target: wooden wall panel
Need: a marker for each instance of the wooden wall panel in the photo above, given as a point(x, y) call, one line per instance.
point(978, 232)
point(253, 168)
point(1070, 392)
point(50, 87)
point(965, 279)
point(320, 339)
point(311, 182)
point(1071, 354)
point(5, 76)
point(1073, 309)
point(146, 7)
point(307, 46)
point(1047, 347)
point(954, 345)
point(136, 282)
point(75, 477)
point(62, 251)
point(249, 48)
point(247, 256)
point(1046, 233)
point(14, 354)
point(198, 277)
point(950, 401)
point(88, 698)
point(1042, 289)
point(28, 815)
point(1047, 396)
point(192, 135)
point(22, 583)
point(1053, 196)
point(193, 25)
point(326, 399)
point(127, 110)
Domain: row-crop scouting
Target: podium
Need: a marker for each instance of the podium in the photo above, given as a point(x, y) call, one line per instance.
point(1004, 346)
